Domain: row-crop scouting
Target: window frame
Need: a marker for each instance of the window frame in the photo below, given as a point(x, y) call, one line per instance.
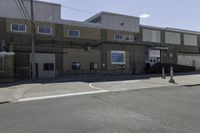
point(119, 39)
point(131, 38)
point(1, 56)
point(43, 33)
point(79, 33)
point(120, 52)
point(18, 24)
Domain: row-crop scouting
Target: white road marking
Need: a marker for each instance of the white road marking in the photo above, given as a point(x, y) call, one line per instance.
point(91, 85)
point(60, 96)
point(98, 90)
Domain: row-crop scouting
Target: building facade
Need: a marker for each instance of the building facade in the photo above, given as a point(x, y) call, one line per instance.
point(106, 43)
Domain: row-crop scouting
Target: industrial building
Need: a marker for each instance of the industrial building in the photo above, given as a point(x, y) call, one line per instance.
point(106, 43)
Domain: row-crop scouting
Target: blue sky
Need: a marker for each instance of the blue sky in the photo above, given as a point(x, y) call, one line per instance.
point(184, 14)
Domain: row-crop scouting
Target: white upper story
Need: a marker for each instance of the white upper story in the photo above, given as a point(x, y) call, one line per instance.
point(114, 21)
point(43, 11)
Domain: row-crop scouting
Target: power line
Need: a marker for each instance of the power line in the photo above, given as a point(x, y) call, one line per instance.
point(19, 7)
point(78, 10)
point(22, 9)
point(26, 11)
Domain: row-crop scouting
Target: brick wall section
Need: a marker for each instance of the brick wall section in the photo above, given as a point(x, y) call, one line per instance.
point(82, 56)
point(8, 66)
point(85, 32)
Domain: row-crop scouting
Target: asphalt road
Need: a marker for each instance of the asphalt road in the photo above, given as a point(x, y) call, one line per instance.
point(155, 110)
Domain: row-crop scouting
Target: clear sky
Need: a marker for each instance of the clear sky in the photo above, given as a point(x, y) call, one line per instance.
point(184, 14)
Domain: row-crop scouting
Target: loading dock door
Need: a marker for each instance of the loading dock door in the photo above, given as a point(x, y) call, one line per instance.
point(189, 60)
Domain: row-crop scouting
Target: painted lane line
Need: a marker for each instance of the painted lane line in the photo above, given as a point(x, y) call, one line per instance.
point(96, 88)
point(60, 96)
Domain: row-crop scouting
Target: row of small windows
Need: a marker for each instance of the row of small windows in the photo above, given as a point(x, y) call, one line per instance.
point(122, 37)
point(23, 28)
point(77, 66)
point(42, 30)
point(71, 32)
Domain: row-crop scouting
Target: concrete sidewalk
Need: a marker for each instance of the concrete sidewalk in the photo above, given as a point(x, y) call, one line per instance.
point(49, 87)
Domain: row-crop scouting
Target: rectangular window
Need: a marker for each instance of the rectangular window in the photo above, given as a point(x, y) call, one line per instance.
point(129, 38)
point(118, 57)
point(119, 37)
point(19, 27)
point(93, 66)
point(76, 66)
point(44, 30)
point(73, 33)
point(1, 63)
point(48, 67)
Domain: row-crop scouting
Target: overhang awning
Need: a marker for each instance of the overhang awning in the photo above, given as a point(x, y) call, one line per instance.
point(161, 48)
point(7, 53)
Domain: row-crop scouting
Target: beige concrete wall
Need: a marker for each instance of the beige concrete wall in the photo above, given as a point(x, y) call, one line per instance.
point(47, 12)
point(191, 40)
point(85, 32)
point(172, 38)
point(82, 56)
point(151, 35)
point(113, 22)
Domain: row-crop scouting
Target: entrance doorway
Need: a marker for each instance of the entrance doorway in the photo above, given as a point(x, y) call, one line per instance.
point(153, 60)
point(154, 56)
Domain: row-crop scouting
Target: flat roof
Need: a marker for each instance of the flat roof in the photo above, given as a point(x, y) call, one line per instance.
point(45, 2)
point(108, 13)
point(79, 23)
point(171, 29)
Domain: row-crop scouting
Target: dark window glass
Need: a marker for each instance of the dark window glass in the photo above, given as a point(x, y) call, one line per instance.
point(15, 27)
point(119, 37)
point(74, 33)
point(45, 30)
point(76, 66)
point(93, 66)
point(22, 27)
point(118, 58)
point(48, 66)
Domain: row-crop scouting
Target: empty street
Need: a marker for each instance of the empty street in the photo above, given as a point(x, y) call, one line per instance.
point(152, 110)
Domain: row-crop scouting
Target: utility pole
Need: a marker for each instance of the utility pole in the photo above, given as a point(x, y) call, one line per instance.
point(33, 41)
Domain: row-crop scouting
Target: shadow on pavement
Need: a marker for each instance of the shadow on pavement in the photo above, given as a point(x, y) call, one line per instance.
point(87, 79)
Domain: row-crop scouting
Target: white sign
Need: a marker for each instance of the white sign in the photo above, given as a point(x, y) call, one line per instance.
point(154, 53)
